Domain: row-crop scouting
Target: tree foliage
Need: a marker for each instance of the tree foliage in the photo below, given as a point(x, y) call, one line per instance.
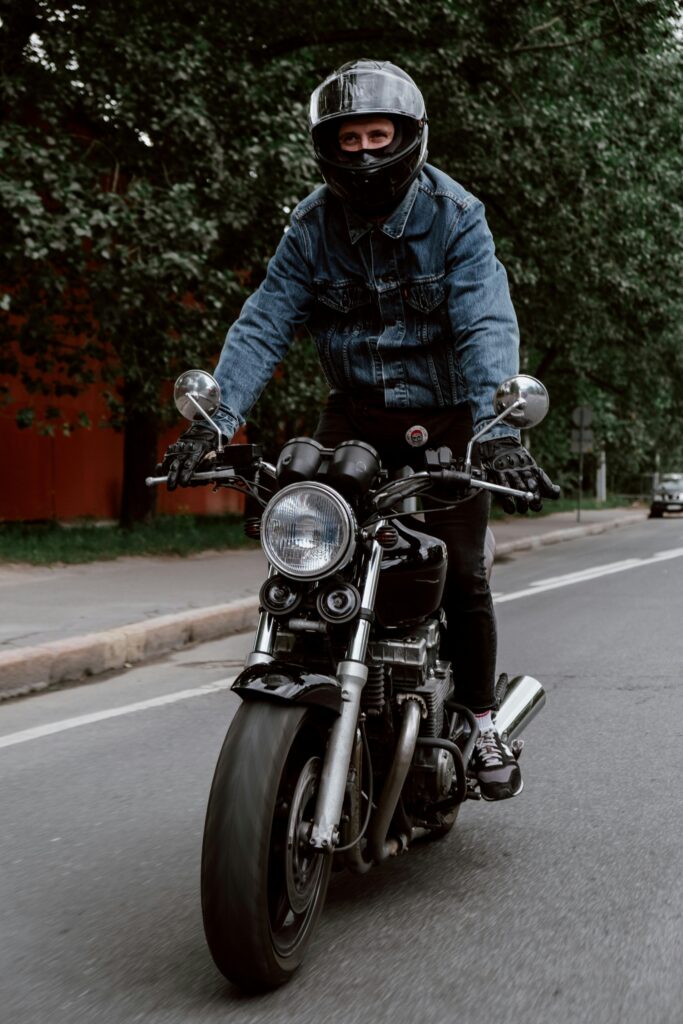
point(151, 152)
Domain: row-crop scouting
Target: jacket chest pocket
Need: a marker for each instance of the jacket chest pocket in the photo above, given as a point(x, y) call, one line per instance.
point(425, 296)
point(427, 301)
point(342, 298)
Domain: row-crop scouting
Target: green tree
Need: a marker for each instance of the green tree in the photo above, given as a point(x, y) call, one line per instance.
point(115, 200)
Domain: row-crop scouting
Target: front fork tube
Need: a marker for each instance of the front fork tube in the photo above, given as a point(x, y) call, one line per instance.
point(352, 675)
point(264, 640)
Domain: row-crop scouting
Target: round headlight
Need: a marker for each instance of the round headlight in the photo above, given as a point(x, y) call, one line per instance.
point(308, 531)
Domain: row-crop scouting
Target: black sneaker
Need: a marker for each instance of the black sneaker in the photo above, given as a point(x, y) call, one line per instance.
point(495, 767)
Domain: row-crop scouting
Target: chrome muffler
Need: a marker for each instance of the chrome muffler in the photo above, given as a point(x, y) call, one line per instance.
point(523, 700)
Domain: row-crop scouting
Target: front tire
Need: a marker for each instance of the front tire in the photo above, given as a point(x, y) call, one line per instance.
point(262, 886)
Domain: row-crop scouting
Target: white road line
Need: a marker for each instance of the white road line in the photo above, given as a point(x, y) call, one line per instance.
point(538, 587)
point(553, 583)
point(100, 716)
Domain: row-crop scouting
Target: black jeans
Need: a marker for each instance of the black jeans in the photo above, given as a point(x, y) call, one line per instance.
point(470, 642)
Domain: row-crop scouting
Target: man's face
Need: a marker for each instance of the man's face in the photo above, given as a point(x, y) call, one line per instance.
point(369, 132)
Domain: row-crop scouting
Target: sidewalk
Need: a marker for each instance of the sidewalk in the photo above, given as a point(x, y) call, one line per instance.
point(65, 622)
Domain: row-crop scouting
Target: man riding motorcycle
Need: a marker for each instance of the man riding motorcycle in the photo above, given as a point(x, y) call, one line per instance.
point(392, 268)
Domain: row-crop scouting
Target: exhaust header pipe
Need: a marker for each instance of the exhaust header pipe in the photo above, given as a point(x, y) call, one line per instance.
point(523, 700)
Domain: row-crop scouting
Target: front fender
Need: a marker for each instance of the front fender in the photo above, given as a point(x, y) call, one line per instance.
point(282, 683)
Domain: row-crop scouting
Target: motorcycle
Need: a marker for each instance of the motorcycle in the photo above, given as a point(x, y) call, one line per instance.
point(348, 746)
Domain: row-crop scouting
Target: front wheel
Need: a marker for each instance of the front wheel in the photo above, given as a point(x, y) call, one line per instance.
point(263, 887)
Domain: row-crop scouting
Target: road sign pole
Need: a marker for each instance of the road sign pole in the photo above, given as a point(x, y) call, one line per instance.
point(601, 477)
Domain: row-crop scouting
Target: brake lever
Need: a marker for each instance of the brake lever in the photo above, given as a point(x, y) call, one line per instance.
point(499, 489)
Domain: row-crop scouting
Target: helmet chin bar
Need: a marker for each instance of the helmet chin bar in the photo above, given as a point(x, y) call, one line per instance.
point(373, 189)
point(375, 185)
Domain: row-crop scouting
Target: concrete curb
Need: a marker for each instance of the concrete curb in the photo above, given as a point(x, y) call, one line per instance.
point(27, 669)
point(569, 533)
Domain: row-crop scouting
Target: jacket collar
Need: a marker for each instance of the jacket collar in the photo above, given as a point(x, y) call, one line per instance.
point(393, 226)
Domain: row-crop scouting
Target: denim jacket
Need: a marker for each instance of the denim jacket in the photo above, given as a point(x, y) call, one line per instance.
point(415, 309)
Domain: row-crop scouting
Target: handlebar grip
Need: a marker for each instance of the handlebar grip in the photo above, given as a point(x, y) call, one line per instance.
point(205, 477)
point(455, 478)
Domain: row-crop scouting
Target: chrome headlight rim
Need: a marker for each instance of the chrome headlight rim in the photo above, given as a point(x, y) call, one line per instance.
point(346, 552)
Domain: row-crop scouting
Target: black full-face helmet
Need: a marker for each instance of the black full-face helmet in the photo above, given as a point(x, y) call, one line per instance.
point(371, 181)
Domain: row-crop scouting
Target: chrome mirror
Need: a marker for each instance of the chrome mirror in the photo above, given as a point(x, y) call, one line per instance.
point(196, 394)
point(525, 398)
point(521, 401)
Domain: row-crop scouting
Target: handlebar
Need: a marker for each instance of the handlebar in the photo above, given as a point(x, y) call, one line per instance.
point(442, 474)
point(459, 479)
point(440, 471)
point(235, 460)
point(216, 474)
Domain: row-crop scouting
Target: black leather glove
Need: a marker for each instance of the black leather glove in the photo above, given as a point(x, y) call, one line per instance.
point(184, 455)
point(508, 463)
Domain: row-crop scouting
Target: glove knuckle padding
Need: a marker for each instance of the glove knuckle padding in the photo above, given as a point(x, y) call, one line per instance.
point(185, 454)
point(512, 466)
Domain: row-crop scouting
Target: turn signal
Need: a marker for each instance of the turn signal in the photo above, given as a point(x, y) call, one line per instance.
point(252, 527)
point(386, 536)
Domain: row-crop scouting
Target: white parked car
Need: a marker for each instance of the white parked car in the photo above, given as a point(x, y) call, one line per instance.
point(667, 495)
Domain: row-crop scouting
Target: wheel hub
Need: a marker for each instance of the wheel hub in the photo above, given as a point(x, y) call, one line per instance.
point(302, 864)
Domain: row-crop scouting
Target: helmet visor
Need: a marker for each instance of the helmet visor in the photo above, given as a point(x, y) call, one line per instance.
point(365, 91)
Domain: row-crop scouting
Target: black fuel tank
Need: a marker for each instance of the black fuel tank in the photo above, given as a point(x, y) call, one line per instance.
point(413, 576)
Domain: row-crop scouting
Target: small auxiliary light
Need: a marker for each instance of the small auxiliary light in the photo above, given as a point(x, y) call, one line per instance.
point(338, 602)
point(279, 596)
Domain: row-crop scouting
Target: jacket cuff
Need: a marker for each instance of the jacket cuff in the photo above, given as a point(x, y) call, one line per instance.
point(228, 422)
point(500, 430)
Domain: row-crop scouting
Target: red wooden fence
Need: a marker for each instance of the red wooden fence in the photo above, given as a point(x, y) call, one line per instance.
point(68, 477)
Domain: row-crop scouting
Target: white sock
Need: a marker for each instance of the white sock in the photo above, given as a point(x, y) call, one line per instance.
point(484, 721)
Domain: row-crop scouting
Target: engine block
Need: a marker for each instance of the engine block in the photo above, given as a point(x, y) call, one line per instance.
point(410, 657)
point(415, 668)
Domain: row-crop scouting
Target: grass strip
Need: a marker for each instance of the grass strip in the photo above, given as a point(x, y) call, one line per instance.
point(48, 543)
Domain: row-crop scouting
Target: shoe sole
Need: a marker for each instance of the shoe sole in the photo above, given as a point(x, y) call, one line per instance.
point(506, 796)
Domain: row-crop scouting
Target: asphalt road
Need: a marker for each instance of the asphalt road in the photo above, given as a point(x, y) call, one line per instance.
point(564, 905)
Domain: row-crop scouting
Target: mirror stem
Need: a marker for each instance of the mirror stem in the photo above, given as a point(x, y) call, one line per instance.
point(520, 403)
point(209, 420)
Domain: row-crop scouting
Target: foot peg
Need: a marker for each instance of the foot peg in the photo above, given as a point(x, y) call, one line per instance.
point(473, 791)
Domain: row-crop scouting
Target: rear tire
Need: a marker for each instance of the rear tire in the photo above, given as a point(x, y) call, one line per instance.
point(262, 886)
